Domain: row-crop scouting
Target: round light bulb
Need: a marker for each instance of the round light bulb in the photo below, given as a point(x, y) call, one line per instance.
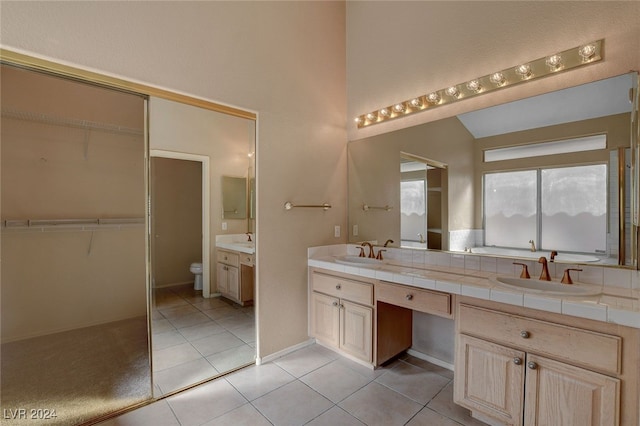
point(452, 91)
point(399, 108)
point(359, 120)
point(415, 103)
point(554, 62)
point(433, 98)
point(371, 117)
point(498, 79)
point(474, 86)
point(384, 112)
point(587, 51)
point(524, 71)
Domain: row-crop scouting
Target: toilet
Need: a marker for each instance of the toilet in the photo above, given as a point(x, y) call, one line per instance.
point(196, 269)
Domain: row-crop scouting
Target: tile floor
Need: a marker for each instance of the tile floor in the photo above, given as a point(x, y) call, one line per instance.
point(313, 386)
point(194, 338)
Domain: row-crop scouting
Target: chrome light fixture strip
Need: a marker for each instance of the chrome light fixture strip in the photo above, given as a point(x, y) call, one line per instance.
point(573, 58)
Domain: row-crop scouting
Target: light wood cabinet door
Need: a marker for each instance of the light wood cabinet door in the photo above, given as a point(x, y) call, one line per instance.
point(558, 394)
point(222, 278)
point(325, 318)
point(490, 379)
point(356, 330)
point(233, 283)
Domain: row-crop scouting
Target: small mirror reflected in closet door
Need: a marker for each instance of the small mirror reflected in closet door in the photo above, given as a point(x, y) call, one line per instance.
point(74, 303)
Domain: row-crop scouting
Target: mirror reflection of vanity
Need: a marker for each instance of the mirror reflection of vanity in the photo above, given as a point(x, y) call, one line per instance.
point(234, 197)
point(465, 145)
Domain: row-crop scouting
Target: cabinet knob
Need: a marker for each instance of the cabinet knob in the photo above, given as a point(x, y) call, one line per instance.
point(409, 296)
point(335, 303)
point(338, 286)
point(532, 365)
point(525, 334)
point(517, 361)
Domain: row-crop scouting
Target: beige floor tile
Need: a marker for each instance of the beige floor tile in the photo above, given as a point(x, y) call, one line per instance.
point(182, 375)
point(428, 366)
point(216, 343)
point(413, 382)
point(219, 313)
point(427, 417)
point(334, 417)
point(292, 404)
point(161, 326)
point(376, 404)
point(256, 381)
point(246, 333)
point(199, 331)
point(205, 402)
point(168, 339)
point(443, 404)
point(236, 321)
point(174, 355)
point(232, 358)
point(170, 313)
point(335, 381)
point(157, 414)
point(303, 361)
point(245, 415)
point(189, 320)
point(208, 304)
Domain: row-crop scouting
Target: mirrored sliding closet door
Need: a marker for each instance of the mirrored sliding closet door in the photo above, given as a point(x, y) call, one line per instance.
point(75, 343)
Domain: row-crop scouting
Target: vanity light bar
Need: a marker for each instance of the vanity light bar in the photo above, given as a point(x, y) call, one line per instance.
point(576, 57)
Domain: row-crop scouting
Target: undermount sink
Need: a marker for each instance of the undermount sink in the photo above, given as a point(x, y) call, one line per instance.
point(365, 262)
point(546, 287)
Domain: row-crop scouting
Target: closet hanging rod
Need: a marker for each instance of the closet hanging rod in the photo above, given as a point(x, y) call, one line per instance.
point(69, 122)
point(289, 205)
point(367, 207)
point(18, 223)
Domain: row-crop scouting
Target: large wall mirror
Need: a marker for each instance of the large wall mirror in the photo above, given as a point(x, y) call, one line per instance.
point(552, 172)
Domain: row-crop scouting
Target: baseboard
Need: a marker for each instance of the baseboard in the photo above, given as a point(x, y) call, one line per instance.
point(173, 284)
point(432, 360)
point(283, 352)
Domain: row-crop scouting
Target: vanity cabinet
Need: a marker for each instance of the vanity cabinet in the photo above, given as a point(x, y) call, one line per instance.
point(529, 371)
point(341, 314)
point(235, 276)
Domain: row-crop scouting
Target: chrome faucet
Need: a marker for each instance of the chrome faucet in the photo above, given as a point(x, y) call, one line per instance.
point(371, 254)
point(248, 236)
point(544, 275)
point(533, 245)
point(386, 243)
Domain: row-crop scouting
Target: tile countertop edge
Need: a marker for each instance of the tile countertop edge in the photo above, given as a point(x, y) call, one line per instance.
point(455, 284)
point(235, 247)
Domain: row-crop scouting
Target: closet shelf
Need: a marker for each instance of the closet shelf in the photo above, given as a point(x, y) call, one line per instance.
point(69, 122)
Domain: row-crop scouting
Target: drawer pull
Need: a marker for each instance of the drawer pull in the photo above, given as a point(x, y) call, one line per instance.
point(517, 361)
point(338, 286)
point(525, 334)
point(532, 365)
point(409, 296)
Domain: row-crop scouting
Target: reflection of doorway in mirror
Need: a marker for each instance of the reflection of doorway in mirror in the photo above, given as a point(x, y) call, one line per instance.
point(421, 202)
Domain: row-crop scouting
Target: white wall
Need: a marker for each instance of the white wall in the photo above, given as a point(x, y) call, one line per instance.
point(285, 60)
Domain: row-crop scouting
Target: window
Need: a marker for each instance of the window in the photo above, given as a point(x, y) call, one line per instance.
point(567, 146)
point(413, 209)
point(554, 207)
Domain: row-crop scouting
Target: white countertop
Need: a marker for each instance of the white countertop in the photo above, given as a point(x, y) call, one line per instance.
point(243, 247)
point(615, 305)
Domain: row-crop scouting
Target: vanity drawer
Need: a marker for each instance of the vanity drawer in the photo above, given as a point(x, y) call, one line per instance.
point(417, 299)
point(246, 259)
point(228, 258)
point(355, 291)
point(581, 347)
